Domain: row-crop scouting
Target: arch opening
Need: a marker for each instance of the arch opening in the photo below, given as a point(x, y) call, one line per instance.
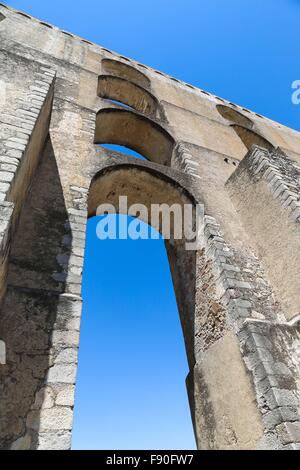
point(122, 151)
point(250, 138)
point(140, 327)
point(143, 186)
point(125, 71)
point(128, 93)
point(118, 103)
point(234, 116)
point(135, 131)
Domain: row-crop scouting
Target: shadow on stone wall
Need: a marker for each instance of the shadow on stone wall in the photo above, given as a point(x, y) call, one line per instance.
point(29, 310)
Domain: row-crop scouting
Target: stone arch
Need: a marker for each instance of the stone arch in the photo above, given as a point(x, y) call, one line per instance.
point(167, 184)
point(135, 131)
point(129, 93)
point(244, 127)
point(125, 71)
point(145, 184)
point(250, 138)
point(234, 116)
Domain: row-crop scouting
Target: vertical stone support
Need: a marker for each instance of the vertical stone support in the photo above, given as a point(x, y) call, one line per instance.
point(224, 417)
point(55, 399)
point(239, 339)
point(23, 131)
point(6, 211)
point(49, 419)
point(265, 190)
point(49, 423)
point(255, 315)
point(23, 134)
point(271, 352)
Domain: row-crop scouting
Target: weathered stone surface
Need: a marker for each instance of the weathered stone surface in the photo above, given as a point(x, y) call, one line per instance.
point(68, 355)
point(65, 373)
point(23, 443)
point(44, 398)
point(59, 440)
point(289, 432)
point(57, 418)
point(65, 396)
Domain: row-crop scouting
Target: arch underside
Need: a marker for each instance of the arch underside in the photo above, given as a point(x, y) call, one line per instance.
point(234, 116)
point(121, 70)
point(124, 91)
point(250, 138)
point(135, 131)
point(244, 128)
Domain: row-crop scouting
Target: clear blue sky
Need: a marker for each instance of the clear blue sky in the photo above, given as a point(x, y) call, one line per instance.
point(131, 391)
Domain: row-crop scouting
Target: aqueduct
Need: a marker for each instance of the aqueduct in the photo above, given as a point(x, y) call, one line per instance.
point(238, 293)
